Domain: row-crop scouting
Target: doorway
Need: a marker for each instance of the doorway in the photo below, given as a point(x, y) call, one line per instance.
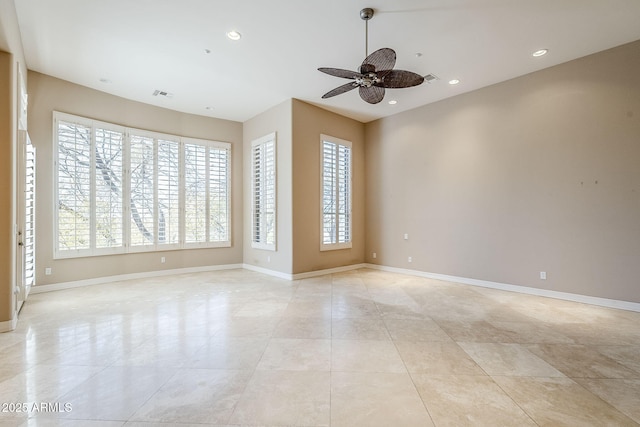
point(26, 218)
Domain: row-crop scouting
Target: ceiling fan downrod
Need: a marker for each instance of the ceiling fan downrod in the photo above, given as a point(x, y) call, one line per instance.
point(366, 14)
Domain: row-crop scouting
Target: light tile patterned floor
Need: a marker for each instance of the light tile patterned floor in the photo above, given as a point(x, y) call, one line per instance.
point(362, 348)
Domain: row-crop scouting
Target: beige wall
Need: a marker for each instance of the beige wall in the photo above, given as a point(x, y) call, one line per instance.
point(308, 123)
point(278, 120)
point(47, 94)
point(7, 186)
point(540, 173)
point(298, 126)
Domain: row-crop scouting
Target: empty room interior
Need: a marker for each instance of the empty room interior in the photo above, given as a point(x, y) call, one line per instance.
point(287, 213)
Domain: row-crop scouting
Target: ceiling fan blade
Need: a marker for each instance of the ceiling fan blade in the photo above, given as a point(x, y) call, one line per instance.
point(381, 59)
point(340, 89)
point(339, 72)
point(400, 78)
point(372, 94)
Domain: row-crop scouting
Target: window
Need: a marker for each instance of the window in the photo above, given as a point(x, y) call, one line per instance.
point(121, 190)
point(336, 193)
point(207, 193)
point(142, 193)
point(263, 178)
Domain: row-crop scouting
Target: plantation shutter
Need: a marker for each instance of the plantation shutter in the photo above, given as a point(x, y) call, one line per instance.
point(142, 192)
point(336, 193)
point(219, 196)
point(73, 186)
point(264, 192)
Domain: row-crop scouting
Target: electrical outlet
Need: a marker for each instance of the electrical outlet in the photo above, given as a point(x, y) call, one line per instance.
point(47, 271)
point(410, 259)
point(543, 275)
point(406, 236)
point(163, 260)
point(268, 258)
point(374, 255)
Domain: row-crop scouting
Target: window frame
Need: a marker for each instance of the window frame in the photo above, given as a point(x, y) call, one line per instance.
point(125, 199)
point(338, 142)
point(264, 243)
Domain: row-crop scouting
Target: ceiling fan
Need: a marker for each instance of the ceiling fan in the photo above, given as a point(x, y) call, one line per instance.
point(376, 72)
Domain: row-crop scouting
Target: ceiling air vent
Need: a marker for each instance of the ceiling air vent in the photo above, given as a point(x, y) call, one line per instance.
point(162, 93)
point(430, 78)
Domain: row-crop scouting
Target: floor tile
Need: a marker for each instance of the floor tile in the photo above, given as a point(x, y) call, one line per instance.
point(225, 352)
point(282, 398)
point(45, 383)
point(359, 329)
point(163, 350)
point(474, 331)
point(465, 400)
point(115, 393)
point(580, 361)
point(626, 355)
point(508, 359)
point(561, 402)
point(376, 399)
point(255, 327)
point(365, 356)
point(196, 396)
point(622, 394)
point(303, 327)
point(349, 306)
point(296, 355)
point(415, 330)
point(437, 358)
point(40, 422)
point(531, 333)
point(262, 309)
point(297, 308)
point(9, 420)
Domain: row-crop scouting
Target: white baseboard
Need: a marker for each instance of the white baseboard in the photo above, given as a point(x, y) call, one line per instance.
point(274, 273)
point(317, 273)
point(8, 325)
point(603, 302)
point(132, 276)
point(306, 275)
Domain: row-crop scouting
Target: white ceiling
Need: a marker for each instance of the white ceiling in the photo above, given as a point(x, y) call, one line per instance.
point(144, 45)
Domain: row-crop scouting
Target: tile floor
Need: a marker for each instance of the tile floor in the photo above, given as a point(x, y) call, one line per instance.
point(362, 348)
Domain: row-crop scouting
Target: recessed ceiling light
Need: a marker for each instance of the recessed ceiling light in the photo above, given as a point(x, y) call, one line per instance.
point(393, 102)
point(234, 35)
point(454, 81)
point(540, 52)
point(418, 54)
point(207, 51)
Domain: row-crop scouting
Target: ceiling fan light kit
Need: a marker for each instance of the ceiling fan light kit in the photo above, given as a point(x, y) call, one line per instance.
point(376, 72)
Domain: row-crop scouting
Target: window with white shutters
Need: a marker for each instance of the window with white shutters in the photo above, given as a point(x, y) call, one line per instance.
point(29, 237)
point(141, 190)
point(195, 221)
point(73, 181)
point(168, 209)
point(207, 193)
point(109, 146)
point(218, 195)
point(263, 178)
point(172, 192)
point(335, 193)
